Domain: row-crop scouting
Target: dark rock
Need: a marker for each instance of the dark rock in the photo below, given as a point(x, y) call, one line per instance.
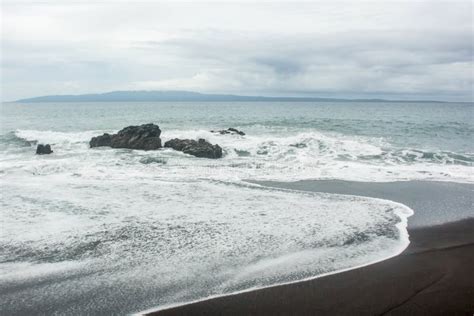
point(43, 149)
point(200, 148)
point(145, 137)
point(230, 130)
point(98, 141)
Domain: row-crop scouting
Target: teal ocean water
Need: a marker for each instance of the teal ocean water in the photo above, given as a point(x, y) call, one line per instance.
point(392, 133)
point(119, 231)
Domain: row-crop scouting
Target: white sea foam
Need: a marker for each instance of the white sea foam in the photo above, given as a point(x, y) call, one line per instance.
point(187, 228)
point(57, 138)
point(223, 237)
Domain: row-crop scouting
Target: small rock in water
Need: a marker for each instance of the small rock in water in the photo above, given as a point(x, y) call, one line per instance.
point(43, 149)
point(144, 137)
point(200, 148)
point(230, 130)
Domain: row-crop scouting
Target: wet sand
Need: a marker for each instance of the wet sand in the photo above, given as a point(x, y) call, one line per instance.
point(433, 276)
point(434, 202)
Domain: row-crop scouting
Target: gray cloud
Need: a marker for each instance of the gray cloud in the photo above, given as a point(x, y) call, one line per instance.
point(285, 66)
point(282, 49)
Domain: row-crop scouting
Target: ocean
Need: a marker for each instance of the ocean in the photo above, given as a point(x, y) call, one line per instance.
point(107, 230)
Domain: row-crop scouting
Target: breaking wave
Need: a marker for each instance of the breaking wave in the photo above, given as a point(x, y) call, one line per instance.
point(282, 157)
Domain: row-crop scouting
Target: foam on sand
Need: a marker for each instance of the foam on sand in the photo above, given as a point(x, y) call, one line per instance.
point(187, 240)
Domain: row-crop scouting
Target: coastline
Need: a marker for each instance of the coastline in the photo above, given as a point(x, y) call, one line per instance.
point(434, 202)
point(431, 276)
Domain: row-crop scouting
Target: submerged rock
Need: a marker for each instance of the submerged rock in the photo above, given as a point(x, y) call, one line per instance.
point(43, 149)
point(299, 145)
point(200, 148)
point(150, 160)
point(144, 137)
point(230, 130)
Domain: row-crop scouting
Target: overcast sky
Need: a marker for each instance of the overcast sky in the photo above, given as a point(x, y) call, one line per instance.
point(390, 49)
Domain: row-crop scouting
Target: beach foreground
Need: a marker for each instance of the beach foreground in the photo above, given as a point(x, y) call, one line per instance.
point(433, 276)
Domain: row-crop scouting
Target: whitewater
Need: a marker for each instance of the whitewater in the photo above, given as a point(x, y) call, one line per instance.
point(129, 230)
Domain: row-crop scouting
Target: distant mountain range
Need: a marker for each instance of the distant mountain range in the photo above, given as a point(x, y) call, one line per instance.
point(181, 96)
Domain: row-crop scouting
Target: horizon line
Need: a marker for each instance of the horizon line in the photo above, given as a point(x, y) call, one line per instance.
point(190, 94)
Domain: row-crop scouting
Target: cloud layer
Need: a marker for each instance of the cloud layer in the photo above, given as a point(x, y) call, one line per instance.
point(398, 49)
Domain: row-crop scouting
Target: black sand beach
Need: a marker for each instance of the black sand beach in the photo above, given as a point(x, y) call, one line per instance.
point(433, 276)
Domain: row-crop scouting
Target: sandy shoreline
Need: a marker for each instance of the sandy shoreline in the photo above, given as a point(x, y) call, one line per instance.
point(432, 276)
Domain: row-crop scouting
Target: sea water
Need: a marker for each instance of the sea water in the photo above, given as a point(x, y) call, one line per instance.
point(107, 230)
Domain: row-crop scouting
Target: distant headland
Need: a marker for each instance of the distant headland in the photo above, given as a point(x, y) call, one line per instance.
point(184, 96)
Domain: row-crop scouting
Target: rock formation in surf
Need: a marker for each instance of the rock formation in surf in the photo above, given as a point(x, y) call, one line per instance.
point(200, 148)
point(230, 130)
point(144, 137)
point(43, 149)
